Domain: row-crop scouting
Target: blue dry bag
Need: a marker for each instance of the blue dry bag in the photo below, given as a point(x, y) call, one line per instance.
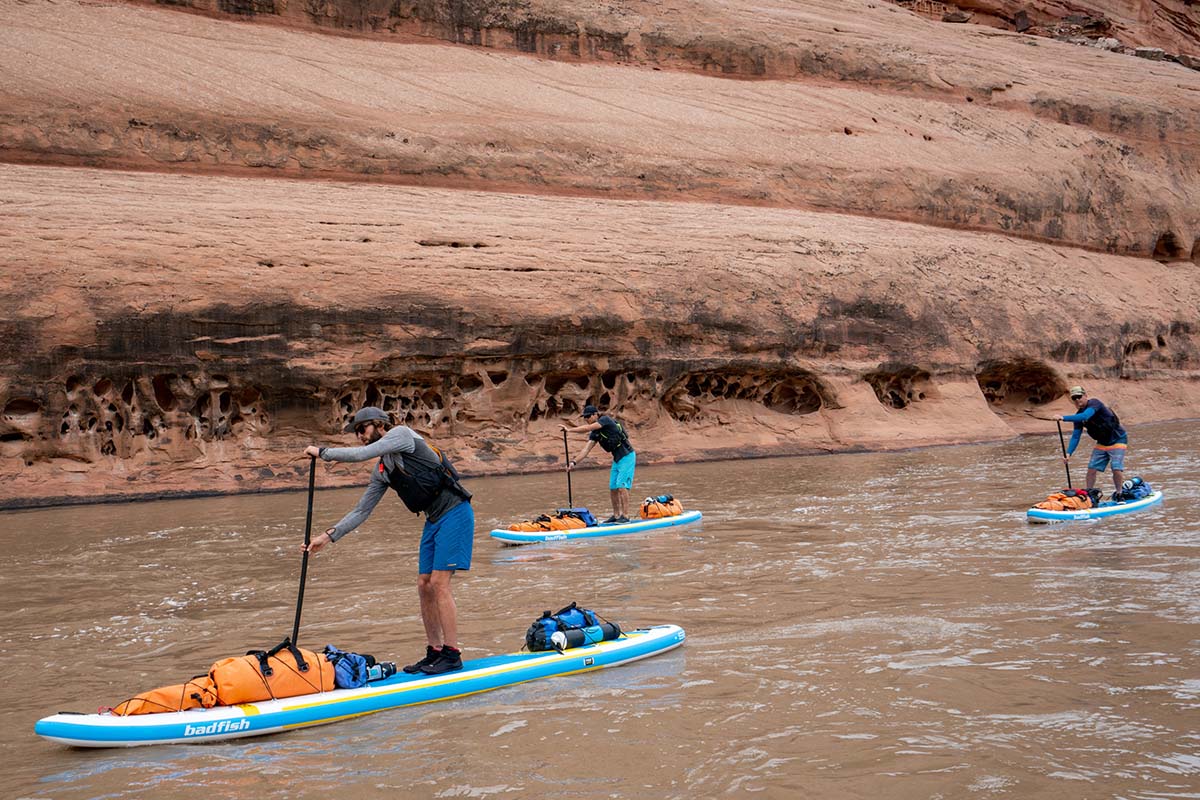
point(350, 670)
point(1133, 489)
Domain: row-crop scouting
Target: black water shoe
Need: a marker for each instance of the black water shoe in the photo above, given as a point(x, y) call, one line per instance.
point(431, 656)
point(448, 660)
point(610, 520)
point(621, 520)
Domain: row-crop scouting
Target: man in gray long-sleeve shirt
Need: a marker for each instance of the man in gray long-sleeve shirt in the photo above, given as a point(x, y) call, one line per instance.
point(428, 483)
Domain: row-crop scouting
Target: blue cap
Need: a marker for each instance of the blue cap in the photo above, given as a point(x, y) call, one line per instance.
point(590, 409)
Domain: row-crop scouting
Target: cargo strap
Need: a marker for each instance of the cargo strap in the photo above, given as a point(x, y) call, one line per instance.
point(264, 656)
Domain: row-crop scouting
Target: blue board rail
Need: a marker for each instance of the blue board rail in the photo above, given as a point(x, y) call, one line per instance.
point(1105, 509)
point(276, 716)
point(595, 531)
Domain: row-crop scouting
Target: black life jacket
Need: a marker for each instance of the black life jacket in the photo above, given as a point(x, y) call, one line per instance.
point(618, 445)
point(426, 473)
point(1104, 426)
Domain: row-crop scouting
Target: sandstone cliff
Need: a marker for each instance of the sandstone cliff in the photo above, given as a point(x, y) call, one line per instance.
point(882, 231)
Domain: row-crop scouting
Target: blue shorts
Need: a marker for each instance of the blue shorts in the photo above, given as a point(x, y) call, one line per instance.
point(621, 476)
point(1102, 457)
point(447, 543)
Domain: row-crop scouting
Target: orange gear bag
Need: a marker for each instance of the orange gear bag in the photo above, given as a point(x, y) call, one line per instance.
point(541, 523)
point(1059, 501)
point(562, 521)
point(283, 671)
point(199, 692)
point(661, 506)
point(566, 522)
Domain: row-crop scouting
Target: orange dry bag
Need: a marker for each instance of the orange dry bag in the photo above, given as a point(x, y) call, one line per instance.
point(283, 671)
point(540, 523)
point(1066, 500)
point(662, 506)
point(566, 522)
point(196, 693)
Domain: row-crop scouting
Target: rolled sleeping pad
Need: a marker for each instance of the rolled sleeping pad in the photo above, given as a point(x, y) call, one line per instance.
point(578, 637)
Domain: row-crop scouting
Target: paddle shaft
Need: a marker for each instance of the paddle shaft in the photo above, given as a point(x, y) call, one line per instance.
point(312, 484)
point(567, 451)
point(1063, 442)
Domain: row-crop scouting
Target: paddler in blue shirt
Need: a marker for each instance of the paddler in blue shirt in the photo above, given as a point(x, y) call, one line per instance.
point(612, 439)
point(1104, 426)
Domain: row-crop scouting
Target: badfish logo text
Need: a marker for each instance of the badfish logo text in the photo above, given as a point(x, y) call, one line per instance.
point(224, 726)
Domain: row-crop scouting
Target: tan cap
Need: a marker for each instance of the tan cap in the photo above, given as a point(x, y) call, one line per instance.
point(1076, 391)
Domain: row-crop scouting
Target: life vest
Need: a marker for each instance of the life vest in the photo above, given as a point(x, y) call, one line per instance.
point(1104, 426)
point(199, 692)
point(662, 506)
point(616, 444)
point(283, 671)
point(425, 474)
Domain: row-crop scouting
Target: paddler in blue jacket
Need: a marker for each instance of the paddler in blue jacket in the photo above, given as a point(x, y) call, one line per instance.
point(1104, 426)
point(428, 483)
point(613, 440)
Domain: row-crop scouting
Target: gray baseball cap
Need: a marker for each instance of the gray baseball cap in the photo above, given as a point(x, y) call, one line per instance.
point(366, 414)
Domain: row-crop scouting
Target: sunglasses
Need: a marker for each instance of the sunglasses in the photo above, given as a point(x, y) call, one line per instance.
point(360, 429)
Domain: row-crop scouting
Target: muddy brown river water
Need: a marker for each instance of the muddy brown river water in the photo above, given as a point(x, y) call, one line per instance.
point(859, 626)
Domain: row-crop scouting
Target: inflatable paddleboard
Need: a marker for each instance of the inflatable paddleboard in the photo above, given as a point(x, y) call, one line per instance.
point(1106, 509)
point(611, 529)
point(276, 716)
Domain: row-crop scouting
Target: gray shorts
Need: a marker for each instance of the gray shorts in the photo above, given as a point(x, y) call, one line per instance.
point(1113, 454)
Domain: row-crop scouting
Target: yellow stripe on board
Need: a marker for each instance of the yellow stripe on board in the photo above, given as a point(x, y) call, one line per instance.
point(457, 677)
point(327, 720)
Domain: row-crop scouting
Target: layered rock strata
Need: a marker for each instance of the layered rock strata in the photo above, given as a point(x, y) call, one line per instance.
point(870, 111)
point(899, 233)
point(238, 320)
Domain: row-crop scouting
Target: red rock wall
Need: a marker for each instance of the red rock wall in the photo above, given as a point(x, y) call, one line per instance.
point(1173, 25)
point(979, 131)
point(899, 232)
point(633, 31)
point(238, 320)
